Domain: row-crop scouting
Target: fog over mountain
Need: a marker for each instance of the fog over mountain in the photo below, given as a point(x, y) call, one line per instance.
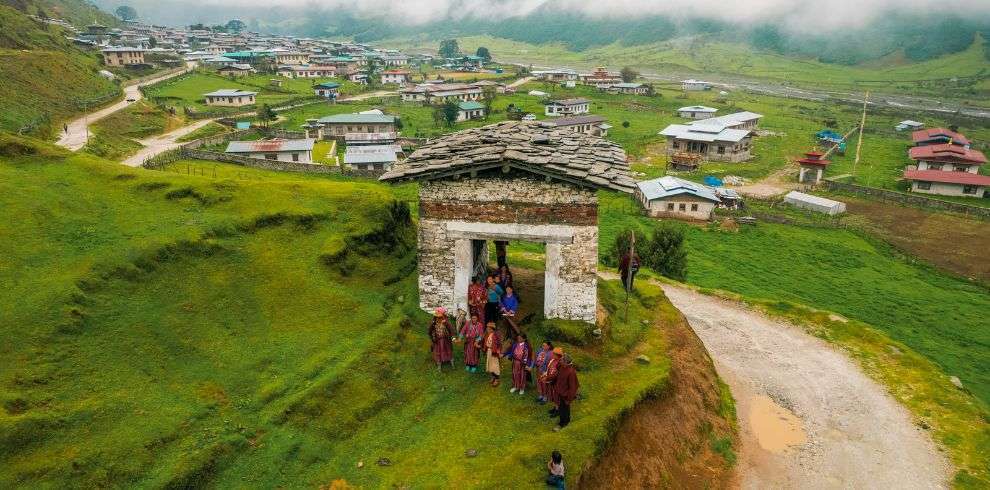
point(843, 31)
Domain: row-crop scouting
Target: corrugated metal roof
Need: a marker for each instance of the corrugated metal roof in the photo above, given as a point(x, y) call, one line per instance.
point(270, 146)
point(697, 108)
point(729, 120)
point(669, 186)
point(228, 92)
point(358, 119)
point(569, 102)
point(470, 106)
point(704, 133)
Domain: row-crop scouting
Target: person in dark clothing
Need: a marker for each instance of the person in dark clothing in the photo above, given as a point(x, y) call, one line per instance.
point(500, 251)
point(628, 267)
point(566, 386)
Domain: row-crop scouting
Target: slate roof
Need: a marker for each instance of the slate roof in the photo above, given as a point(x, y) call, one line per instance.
point(575, 120)
point(528, 145)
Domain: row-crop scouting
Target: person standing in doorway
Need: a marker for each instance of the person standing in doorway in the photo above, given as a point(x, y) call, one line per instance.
point(441, 343)
point(494, 293)
point(500, 253)
point(508, 306)
point(566, 386)
point(522, 358)
point(493, 349)
point(505, 276)
point(477, 296)
point(472, 334)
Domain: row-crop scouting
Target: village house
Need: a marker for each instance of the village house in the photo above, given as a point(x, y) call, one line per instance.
point(307, 71)
point(697, 112)
point(908, 124)
point(938, 136)
point(499, 86)
point(629, 88)
point(230, 98)
point(395, 59)
point(737, 120)
point(295, 150)
point(710, 142)
point(122, 56)
point(438, 93)
point(567, 107)
point(512, 181)
point(372, 158)
point(397, 77)
point(948, 170)
point(329, 90)
point(470, 110)
point(341, 125)
point(695, 85)
point(218, 61)
point(671, 197)
point(291, 57)
point(555, 75)
point(587, 124)
point(235, 70)
point(600, 78)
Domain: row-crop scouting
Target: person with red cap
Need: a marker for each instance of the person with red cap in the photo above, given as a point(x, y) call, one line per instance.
point(441, 339)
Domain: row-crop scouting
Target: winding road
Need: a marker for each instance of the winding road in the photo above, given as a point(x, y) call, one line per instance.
point(78, 129)
point(808, 416)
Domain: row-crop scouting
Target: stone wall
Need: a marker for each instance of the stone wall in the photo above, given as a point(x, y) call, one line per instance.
point(910, 199)
point(260, 162)
point(453, 213)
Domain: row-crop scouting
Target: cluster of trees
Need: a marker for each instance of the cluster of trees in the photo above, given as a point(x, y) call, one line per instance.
point(450, 49)
point(233, 26)
point(663, 251)
point(125, 12)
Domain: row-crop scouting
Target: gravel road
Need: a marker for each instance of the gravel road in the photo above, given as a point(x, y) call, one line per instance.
point(808, 416)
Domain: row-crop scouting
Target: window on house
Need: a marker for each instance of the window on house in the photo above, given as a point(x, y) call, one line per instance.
point(694, 207)
point(969, 189)
point(682, 207)
point(670, 206)
point(271, 156)
point(721, 150)
point(923, 186)
point(295, 157)
point(962, 168)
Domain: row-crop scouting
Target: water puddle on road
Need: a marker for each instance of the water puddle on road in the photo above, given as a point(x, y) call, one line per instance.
point(775, 427)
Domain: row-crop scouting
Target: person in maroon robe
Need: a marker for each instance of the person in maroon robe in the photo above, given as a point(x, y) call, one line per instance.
point(472, 334)
point(522, 358)
point(550, 377)
point(441, 343)
point(566, 386)
point(543, 357)
point(477, 297)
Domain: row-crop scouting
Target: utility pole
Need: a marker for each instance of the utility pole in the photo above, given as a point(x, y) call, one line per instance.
point(859, 144)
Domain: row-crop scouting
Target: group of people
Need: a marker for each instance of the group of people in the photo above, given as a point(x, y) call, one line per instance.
point(551, 371)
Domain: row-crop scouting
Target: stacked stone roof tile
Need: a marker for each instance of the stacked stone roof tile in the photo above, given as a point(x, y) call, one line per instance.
point(532, 145)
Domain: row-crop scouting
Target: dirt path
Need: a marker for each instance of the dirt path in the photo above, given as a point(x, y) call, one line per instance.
point(521, 81)
point(77, 134)
point(808, 417)
point(161, 143)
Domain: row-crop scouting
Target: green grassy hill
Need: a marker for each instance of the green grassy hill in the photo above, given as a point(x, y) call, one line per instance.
point(44, 79)
point(168, 330)
point(701, 55)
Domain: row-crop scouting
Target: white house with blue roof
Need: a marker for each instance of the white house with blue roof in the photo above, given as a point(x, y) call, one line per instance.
point(671, 197)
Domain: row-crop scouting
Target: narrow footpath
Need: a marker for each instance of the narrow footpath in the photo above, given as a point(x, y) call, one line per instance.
point(808, 416)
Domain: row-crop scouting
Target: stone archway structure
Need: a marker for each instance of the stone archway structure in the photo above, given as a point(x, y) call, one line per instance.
point(517, 180)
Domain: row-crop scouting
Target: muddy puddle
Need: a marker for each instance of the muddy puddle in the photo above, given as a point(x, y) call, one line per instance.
point(775, 428)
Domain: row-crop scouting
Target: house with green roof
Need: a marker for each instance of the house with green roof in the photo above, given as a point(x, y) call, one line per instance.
point(470, 109)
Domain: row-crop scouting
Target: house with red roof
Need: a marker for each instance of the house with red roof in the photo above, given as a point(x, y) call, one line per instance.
point(947, 169)
point(397, 77)
point(938, 136)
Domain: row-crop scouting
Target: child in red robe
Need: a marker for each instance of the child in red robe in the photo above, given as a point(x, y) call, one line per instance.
point(472, 334)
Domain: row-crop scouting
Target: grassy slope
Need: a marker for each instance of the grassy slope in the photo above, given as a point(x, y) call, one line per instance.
point(32, 56)
point(114, 136)
point(180, 330)
point(704, 56)
point(940, 316)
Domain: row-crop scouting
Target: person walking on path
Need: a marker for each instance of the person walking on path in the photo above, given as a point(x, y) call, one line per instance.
point(472, 334)
point(566, 386)
point(493, 349)
point(441, 343)
point(522, 358)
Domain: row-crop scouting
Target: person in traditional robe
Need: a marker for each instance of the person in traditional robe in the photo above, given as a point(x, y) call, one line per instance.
point(477, 297)
point(566, 385)
point(628, 267)
point(505, 276)
point(441, 338)
point(492, 345)
point(500, 252)
point(494, 295)
point(507, 307)
point(540, 363)
point(472, 334)
point(521, 354)
point(550, 377)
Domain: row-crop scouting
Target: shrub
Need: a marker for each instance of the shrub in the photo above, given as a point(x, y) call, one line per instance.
point(665, 252)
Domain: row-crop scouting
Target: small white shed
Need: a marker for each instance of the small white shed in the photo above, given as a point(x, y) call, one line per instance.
point(815, 203)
